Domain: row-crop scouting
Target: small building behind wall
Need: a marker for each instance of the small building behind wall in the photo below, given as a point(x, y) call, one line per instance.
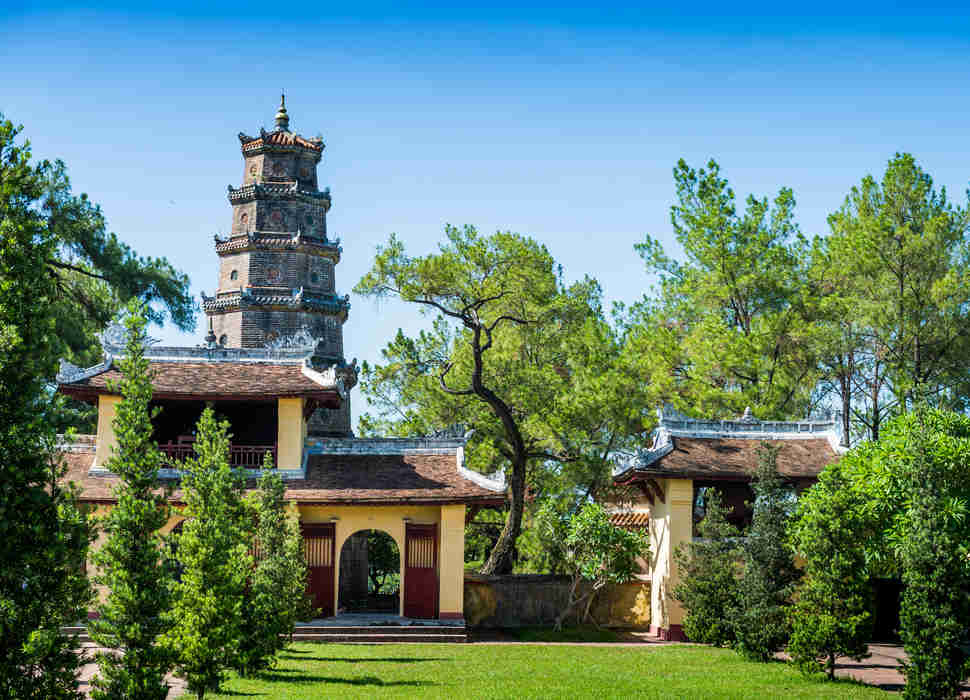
point(688, 458)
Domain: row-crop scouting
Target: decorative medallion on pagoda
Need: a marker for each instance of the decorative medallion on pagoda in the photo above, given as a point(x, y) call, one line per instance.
point(276, 266)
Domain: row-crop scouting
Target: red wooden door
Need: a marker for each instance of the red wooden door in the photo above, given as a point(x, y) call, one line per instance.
point(421, 571)
point(318, 543)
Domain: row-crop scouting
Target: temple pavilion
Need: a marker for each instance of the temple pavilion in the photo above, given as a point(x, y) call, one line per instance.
point(272, 364)
point(667, 484)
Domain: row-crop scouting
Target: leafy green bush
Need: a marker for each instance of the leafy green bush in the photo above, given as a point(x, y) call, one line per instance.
point(597, 553)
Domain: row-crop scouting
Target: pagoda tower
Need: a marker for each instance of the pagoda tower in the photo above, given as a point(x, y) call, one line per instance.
point(276, 267)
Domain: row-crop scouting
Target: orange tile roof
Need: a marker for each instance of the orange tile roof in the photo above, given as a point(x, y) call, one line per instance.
point(630, 521)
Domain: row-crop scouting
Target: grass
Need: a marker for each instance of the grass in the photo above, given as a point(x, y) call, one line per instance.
point(582, 633)
point(456, 671)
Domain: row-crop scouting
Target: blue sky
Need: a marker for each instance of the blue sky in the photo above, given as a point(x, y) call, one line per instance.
point(559, 121)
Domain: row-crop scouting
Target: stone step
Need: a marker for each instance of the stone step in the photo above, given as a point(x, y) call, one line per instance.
point(380, 629)
point(370, 638)
point(79, 634)
point(452, 634)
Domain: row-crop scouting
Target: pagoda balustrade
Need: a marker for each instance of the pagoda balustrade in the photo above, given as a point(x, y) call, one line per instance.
point(240, 456)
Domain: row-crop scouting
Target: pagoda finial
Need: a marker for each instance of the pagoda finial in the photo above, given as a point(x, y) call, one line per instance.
point(282, 118)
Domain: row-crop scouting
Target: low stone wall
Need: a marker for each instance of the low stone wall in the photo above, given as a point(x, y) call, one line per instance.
point(526, 600)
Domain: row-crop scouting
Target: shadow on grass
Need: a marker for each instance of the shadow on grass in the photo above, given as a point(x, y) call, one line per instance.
point(362, 681)
point(366, 659)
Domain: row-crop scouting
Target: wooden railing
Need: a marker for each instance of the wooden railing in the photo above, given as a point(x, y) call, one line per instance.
point(240, 456)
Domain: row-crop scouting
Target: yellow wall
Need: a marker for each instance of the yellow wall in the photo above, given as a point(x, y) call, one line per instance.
point(451, 561)
point(290, 434)
point(671, 524)
point(106, 440)
point(391, 519)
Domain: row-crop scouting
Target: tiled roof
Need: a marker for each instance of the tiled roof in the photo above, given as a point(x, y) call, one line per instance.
point(337, 479)
point(258, 241)
point(231, 301)
point(282, 138)
point(630, 521)
point(723, 457)
point(237, 380)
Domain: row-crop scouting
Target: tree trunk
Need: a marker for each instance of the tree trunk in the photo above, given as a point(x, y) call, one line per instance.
point(502, 558)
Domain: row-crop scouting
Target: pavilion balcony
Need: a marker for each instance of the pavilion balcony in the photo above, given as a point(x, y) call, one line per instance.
point(240, 456)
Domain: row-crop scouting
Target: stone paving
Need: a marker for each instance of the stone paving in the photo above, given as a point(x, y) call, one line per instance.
point(881, 669)
point(90, 670)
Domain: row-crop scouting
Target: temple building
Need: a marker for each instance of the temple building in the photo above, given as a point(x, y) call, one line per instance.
point(272, 364)
point(667, 484)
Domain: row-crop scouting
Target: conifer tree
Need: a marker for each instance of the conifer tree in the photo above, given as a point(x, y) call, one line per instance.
point(214, 561)
point(709, 568)
point(832, 614)
point(760, 622)
point(43, 534)
point(276, 595)
point(933, 552)
point(138, 578)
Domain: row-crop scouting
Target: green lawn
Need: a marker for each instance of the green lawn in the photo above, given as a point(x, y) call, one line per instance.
point(459, 671)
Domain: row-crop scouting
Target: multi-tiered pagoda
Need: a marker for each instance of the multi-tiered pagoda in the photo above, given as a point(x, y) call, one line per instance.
point(276, 271)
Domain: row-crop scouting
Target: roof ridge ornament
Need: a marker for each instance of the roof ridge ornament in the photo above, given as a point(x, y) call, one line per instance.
point(114, 338)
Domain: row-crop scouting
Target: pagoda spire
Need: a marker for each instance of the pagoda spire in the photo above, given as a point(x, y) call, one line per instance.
point(282, 118)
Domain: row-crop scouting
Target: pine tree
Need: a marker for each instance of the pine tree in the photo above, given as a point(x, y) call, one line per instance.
point(138, 578)
point(214, 560)
point(709, 568)
point(276, 595)
point(44, 534)
point(769, 576)
point(832, 614)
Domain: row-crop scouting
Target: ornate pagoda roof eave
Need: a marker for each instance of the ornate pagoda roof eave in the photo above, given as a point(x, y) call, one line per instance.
point(256, 240)
point(277, 190)
point(299, 300)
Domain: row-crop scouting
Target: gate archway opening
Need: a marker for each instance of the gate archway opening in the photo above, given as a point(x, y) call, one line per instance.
point(370, 574)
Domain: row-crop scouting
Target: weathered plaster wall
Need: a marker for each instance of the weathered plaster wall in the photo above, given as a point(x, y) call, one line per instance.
point(526, 600)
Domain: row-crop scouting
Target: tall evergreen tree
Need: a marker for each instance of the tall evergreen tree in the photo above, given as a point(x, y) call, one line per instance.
point(898, 261)
point(761, 623)
point(832, 614)
point(214, 561)
point(132, 568)
point(44, 535)
point(276, 595)
point(934, 555)
point(709, 577)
